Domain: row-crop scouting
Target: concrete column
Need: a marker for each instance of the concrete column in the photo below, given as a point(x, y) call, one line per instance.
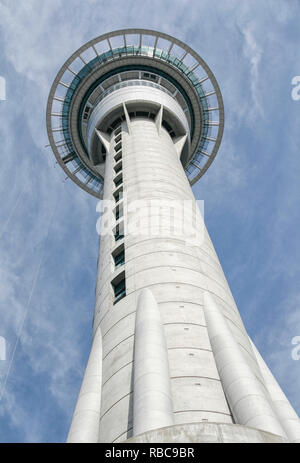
point(246, 395)
point(161, 259)
point(152, 399)
point(85, 423)
point(285, 412)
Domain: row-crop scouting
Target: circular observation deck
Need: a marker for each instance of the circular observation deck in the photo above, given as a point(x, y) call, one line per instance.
point(124, 58)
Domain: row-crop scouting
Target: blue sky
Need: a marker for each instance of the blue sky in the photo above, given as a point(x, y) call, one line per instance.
point(48, 239)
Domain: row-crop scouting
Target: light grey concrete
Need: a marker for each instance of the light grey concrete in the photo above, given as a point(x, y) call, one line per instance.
point(287, 415)
point(139, 95)
point(85, 423)
point(172, 269)
point(152, 398)
point(247, 395)
point(205, 433)
point(179, 275)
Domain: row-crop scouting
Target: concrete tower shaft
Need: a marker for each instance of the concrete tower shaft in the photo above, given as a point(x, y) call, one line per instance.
point(171, 360)
point(161, 262)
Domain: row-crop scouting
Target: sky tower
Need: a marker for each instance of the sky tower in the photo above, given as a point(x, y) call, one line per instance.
point(135, 117)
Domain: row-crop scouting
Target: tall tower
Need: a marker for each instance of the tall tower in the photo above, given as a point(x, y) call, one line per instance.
point(135, 117)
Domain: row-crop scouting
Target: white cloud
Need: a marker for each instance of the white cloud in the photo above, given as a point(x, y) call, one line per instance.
point(37, 37)
point(253, 53)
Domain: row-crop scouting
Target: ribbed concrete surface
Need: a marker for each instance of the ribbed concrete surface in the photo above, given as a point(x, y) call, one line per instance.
point(204, 433)
point(178, 275)
point(199, 347)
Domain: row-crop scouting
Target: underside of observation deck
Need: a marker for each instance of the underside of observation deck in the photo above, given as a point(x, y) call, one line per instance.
point(123, 58)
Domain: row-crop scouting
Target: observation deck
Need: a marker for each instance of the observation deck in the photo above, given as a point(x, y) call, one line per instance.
point(132, 59)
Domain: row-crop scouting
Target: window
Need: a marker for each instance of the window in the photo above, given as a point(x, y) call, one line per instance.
point(118, 212)
point(118, 138)
point(120, 291)
point(118, 194)
point(147, 75)
point(168, 128)
point(118, 167)
point(119, 257)
point(118, 156)
point(117, 131)
point(118, 146)
point(119, 287)
point(119, 232)
point(118, 180)
point(117, 122)
point(141, 114)
point(86, 113)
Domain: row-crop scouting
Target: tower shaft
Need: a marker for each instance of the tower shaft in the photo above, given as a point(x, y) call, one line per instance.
point(175, 272)
point(171, 360)
point(181, 382)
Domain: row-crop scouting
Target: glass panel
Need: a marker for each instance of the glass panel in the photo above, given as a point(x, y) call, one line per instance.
point(117, 41)
point(118, 167)
point(118, 146)
point(118, 182)
point(132, 39)
point(119, 213)
point(101, 47)
point(89, 54)
point(118, 195)
point(189, 61)
point(120, 259)
point(130, 50)
point(77, 65)
point(120, 290)
point(119, 232)
point(177, 51)
point(118, 156)
point(148, 40)
point(163, 44)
